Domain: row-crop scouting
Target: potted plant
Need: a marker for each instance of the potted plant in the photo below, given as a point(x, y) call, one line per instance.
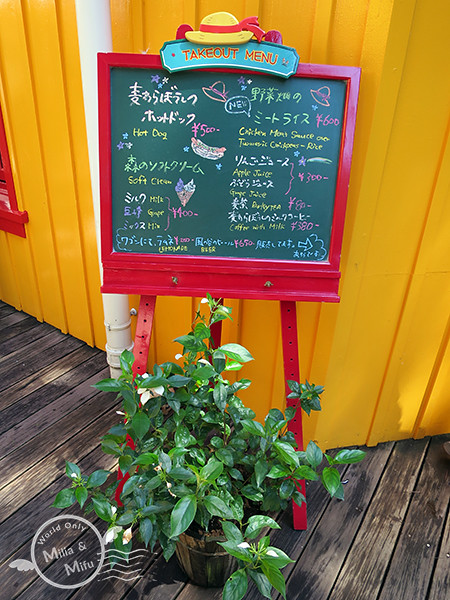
point(196, 465)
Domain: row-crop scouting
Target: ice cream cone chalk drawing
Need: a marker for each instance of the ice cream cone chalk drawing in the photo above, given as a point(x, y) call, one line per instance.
point(184, 192)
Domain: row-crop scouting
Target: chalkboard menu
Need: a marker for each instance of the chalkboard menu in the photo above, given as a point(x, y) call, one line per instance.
point(225, 181)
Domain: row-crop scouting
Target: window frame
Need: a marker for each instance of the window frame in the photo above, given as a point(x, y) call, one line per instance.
point(12, 220)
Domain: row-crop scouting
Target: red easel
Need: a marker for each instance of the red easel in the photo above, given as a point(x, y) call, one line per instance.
point(291, 371)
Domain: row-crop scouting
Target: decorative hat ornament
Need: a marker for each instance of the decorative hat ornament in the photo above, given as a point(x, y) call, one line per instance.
point(224, 28)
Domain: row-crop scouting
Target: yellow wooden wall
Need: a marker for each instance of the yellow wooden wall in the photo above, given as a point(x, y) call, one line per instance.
point(383, 352)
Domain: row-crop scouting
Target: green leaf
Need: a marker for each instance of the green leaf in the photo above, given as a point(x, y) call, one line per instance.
point(118, 430)
point(72, 470)
point(236, 586)
point(314, 454)
point(182, 515)
point(211, 470)
point(219, 361)
point(347, 457)
point(146, 530)
point(257, 523)
point(232, 548)
point(233, 365)
point(141, 424)
point(174, 405)
point(204, 373)
point(236, 352)
point(253, 427)
point(102, 509)
point(305, 472)
point(153, 483)
point(278, 471)
point(232, 532)
point(81, 494)
point(147, 458)
point(331, 480)
point(217, 507)
point(111, 447)
point(252, 493)
point(261, 470)
point(287, 488)
point(262, 583)
point(126, 362)
point(286, 452)
point(97, 478)
point(280, 560)
point(226, 456)
point(182, 474)
point(64, 498)
point(130, 405)
point(178, 381)
point(130, 484)
point(125, 519)
point(220, 396)
point(236, 474)
point(165, 461)
point(153, 509)
point(217, 442)
point(183, 437)
point(275, 577)
point(201, 331)
point(109, 385)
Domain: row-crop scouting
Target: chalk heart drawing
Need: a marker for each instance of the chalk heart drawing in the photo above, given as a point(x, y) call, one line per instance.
point(69, 552)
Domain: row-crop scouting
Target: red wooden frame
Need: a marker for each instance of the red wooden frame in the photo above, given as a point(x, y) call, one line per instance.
point(225, 277)
point(11, 219)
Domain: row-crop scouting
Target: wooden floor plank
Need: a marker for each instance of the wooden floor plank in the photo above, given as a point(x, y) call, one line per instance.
point(418, 546)
point(18, 530)
point(12, 339)
point(6, 309)
point(48, 440)
point(440, 583)
point(12, 497)
point(367, 562)
point(51, 412)
point(314, 574)
point(10, 318)
point(30, 359)
point(48, 373)
point(44, 405)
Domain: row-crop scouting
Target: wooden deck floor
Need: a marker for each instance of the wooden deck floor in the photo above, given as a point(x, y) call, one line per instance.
point(390, 539)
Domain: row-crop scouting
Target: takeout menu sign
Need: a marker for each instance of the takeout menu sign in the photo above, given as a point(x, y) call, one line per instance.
point(275, 59)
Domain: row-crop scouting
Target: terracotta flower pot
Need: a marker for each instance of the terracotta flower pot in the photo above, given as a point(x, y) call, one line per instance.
point(204, 561)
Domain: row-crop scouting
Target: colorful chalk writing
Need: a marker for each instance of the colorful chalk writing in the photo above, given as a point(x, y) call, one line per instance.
point(224, 165)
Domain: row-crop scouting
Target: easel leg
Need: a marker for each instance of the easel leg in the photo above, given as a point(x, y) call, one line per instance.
point(142, 338)
point(292, 371)
point(143, 335)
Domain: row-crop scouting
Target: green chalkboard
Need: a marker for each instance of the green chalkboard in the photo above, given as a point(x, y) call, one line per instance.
point(224, 164)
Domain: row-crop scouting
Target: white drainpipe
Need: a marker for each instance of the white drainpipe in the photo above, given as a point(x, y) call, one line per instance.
point(94, 35)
